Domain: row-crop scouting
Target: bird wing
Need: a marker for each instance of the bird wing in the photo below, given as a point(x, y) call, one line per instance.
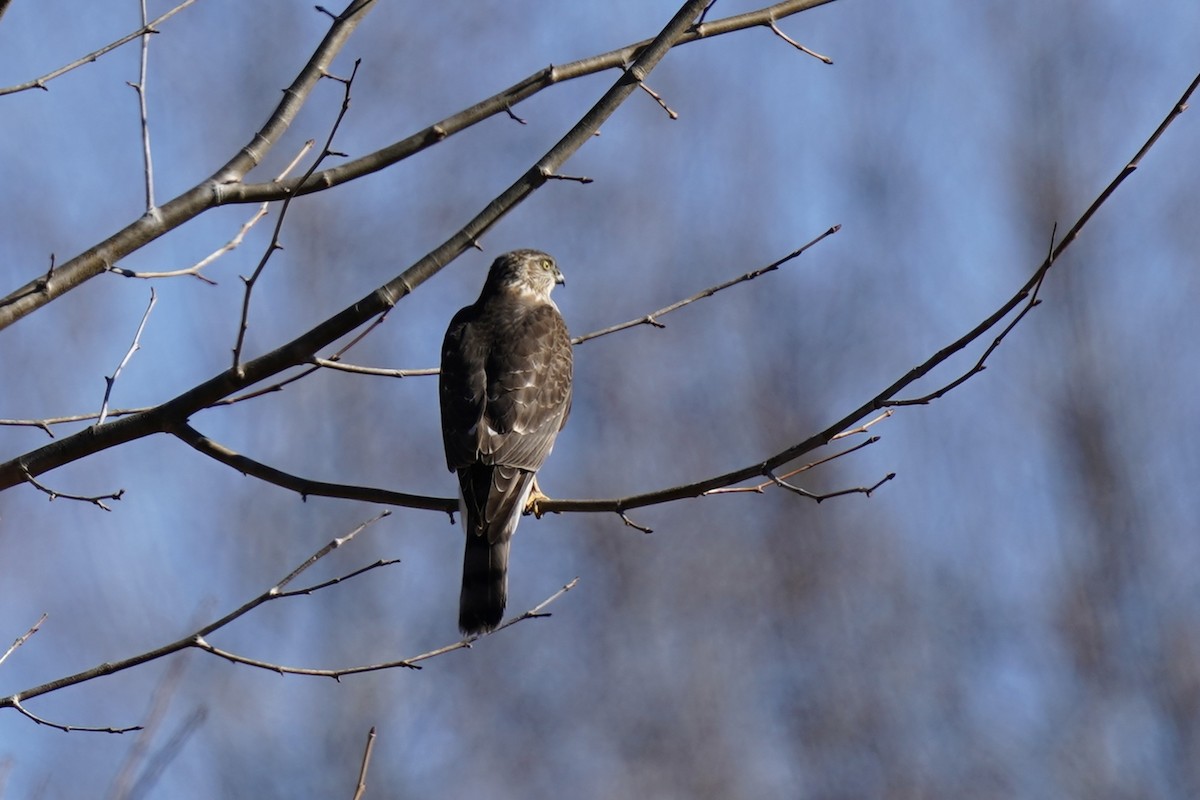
point(505, 387)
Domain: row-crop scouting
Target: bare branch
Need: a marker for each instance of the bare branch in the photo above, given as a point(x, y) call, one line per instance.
point(96, 500)
point(386, 373)
point(865, 426)
point(408, 663)
point(550, 176)
point(772, 480)
point(652, 317)
point(304, 487)
point(191, 640)
point(274, 244)
point(232, 244)
point(867, 490)
point(361, 787)
point(631, 524)
point(133, 348)
point(797, 45)
point(23, 638)
point(658, 99)
point(147, 28)
point(14, 702)
point(45, 424)
point(140, 88)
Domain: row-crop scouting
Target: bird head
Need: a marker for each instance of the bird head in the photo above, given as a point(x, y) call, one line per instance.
point(530, 271)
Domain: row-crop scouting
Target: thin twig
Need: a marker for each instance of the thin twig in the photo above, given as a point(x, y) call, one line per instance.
point(867, 490)
point(658, 99)
point(704, 13)
point(195, 269)
point(15, 702)
point(536, 612)
point(96, 500)
point(864, 427)
point(23, 638)
point(140, 88)
point(45, 424)
point(799, 46)
point(387, 373)
point(274, 244)
point(631, 524)
point(133, 348)
point(45, 287)
point(772, 480)
point(361, 787)
point(652, 318)
point(147, 28)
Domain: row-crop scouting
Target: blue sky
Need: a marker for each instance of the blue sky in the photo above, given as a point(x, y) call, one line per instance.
point(1013, 614)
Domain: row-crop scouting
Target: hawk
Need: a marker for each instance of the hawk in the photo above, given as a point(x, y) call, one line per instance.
point(505, 393)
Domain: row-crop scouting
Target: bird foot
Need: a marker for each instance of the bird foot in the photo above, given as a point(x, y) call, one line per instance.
point(534, 504)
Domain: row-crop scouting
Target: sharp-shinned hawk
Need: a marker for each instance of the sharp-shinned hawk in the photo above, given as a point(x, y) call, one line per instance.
point(505, 392)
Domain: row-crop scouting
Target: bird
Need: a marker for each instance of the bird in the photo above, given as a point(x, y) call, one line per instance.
point(504, 392)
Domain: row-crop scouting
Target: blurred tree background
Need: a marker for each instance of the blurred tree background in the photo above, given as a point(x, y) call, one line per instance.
point(1015, 615)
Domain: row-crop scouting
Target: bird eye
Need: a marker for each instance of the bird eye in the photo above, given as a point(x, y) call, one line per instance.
point(547, 264)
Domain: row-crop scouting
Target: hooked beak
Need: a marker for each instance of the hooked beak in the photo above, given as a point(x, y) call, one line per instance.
point(558, 277)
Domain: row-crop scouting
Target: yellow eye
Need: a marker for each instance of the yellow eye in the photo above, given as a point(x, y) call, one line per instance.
point(547, 264)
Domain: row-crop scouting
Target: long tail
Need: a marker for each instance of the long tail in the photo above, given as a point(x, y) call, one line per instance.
point(484, 585)
point(493, 498)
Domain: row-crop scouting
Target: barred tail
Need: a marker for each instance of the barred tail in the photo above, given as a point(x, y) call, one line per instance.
point(492, 499)
point(484, 585)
